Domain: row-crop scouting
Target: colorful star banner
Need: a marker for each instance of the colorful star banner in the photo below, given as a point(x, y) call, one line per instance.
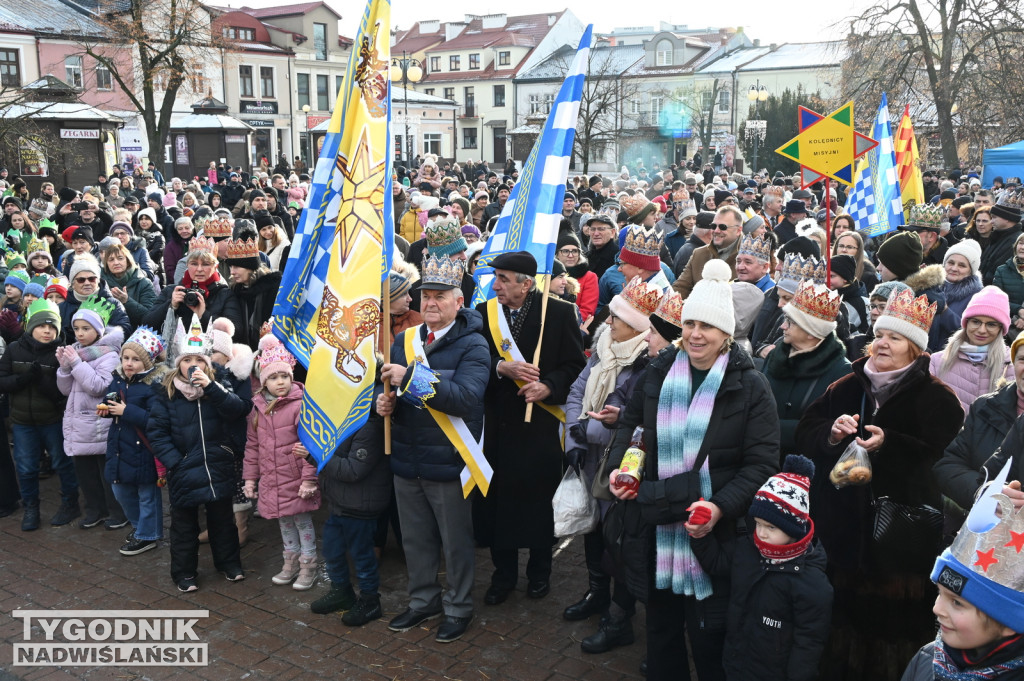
point(328, 308)
point(827, 146)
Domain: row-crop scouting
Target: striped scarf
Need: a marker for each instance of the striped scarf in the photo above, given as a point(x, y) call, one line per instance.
point(953, 666)
point(682, 425)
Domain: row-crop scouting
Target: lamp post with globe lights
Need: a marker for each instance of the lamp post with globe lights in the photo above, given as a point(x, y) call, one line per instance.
point(406, 70)
point(756, 129)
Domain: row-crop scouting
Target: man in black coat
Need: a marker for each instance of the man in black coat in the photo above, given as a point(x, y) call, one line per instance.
point(526, 457)
point(1006, 228)
point(604, 245)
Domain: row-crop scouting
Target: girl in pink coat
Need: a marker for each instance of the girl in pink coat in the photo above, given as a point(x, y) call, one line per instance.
point(287, 484)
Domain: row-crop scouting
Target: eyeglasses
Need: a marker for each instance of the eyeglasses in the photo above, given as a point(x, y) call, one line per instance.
point(83, 280)
point(878, 307)
point(568, 251)
point(603, 228)
point(719, 226)
point(974, 324)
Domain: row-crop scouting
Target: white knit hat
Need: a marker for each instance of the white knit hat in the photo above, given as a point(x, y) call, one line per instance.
point(84, 262)
point(711, 299)
point(968, 249)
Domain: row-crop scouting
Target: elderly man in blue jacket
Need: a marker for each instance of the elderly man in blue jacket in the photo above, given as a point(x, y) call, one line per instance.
point(440, 368)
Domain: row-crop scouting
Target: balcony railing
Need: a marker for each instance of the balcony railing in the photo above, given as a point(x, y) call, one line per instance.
point(470, 111)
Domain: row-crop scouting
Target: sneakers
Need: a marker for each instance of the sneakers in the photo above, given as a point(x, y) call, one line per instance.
point(89, 521)
point(366, 609)
point(134, 547)
point(452, 628)
point(187, 584)
point(340, 597)
point(111, 524)
point(30, 520)
point(233, 574)
point(67, 512)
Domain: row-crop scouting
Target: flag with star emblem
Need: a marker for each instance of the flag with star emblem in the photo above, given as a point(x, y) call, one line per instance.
point(530, 217)
point(328, 309)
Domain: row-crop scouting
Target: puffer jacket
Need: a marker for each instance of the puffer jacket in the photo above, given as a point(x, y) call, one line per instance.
point(968, 379)
point(356, 480)
point(742, 448)
point(1010, 281)
point(960, 471)
point(779, 614)
point(35, 399)
point(272, 432)
point(85, 384)
point(463, 360)
point(129, 457)
point(200, 463)
point(141, 294)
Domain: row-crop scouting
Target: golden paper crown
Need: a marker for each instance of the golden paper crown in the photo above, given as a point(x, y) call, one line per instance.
point(202, 243)
point(759, 247)
point(680, 195)
point(643, 240)
point(442, 270)
point(926, 216)
point(218, 228)
point(817, 301)
point(906, 307)
point(1012, 200)
point(633, 204)
point(239, 249)
point(671, 308)
point(774, 190)
point(642, 296)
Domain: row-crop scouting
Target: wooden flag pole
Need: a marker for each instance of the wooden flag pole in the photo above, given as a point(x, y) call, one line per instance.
point(828, 230)
point(385, 341)
point(540, 338)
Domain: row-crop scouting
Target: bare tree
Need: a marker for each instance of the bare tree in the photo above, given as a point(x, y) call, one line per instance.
point(939, 52)
point(151, 50)
point(700, 102)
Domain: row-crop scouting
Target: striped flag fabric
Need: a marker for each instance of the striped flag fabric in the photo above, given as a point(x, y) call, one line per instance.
point(529, 220)
point(860, 202)
point(881, 165)
point(907, 168)
point(328, 309)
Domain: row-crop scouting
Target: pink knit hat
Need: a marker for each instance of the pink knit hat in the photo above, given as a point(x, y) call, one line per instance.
point(992, 302)
point(274, 358)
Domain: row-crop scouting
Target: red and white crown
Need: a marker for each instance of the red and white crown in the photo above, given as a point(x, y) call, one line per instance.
point(218, 228)
point(905, 307)
point(643, 240)
point(239, 249)
point(817, 301)
point(633, 204)
point(202, 243)
point(671, 308)
point(642, 296)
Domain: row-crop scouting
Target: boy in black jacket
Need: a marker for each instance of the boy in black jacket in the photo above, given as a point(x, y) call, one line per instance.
point(28, 373)
point(780, 603)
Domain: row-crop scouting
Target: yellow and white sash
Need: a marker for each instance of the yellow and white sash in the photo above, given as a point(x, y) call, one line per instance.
point(509, 351)
point(478, 472)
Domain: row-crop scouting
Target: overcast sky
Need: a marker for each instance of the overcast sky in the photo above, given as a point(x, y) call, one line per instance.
point(771, 22)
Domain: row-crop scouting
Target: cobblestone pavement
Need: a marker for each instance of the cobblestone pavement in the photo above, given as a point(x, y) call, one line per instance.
point(258, 630)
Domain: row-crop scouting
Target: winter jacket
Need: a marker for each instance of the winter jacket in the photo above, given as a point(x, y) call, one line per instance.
point(409, 226)
point(118, 317)
point(237, 375)
point(922, 668)
point(462, 358)
point(959, 294)
point(137, 247)
point(602, 257)
point(356, 481)
point(586, 299)
point(998, 251)
point(928, 281)
point(685, 252)
point(1009, 279)
point(742, 449)
point(220, 303)
point(797, 380)
point(174, 250)
point(272, 432)
point(200, 463)
point(256, 304)
point(959, 471)
point(692, 273)
point(129, 457)
point(919, 419)
point(85, 384)
point(35, 399)
point(779, 614)
point(141, 294)
point(968, 379)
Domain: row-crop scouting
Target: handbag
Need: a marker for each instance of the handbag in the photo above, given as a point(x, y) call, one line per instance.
point(904, 537)
point(599, 486)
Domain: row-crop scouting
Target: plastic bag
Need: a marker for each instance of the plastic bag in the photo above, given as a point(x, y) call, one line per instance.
point(575, 508)
point(853, 467)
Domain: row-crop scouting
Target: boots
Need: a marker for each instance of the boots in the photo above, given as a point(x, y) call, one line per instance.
point(307, 574)
point(30, 521)
point(67, 512)
point(340, 597)
point(614, 632)
point(242, 523)
point(290, 569)
point(596, 600)
point(366, 609)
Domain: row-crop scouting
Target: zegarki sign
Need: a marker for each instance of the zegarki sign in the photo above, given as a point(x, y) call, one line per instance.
point(79, 134)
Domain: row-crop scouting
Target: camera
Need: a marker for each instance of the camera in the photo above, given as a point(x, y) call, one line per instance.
point(192, 296)
point(80, 206)
point(112, 398)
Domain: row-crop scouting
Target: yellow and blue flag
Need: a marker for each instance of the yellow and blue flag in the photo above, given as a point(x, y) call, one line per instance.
point(328, 309)
point(529, 220)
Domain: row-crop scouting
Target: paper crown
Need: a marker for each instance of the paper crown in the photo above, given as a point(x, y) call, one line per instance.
point(642, 296)
point(916, 311)
point(14, 258)
point(444, 236)
point(241, 250)
point(193, 342)
point(442, 271)
point(36, 245)
point(633, 204)
point(680, 195)
point(1011, 199)
point(148, 339)
point(202, 243)
point(985, 563)
point(218, 228)
point(758, 247)
point(101, 307)
point(796, 269)
point(774, 190)
point(817, 300)
point(671, 308)
point(926, 216)
point(47, 222)
point(643, 241)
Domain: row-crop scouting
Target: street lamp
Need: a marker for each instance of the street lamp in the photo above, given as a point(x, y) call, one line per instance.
point(756, 129)
point(304, 143)
point(407, 71)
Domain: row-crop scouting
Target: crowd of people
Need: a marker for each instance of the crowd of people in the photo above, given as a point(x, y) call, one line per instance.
point(817, 412)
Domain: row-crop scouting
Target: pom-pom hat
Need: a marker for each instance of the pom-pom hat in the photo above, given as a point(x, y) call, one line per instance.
point(147, 344)
point(636, 303)
point(784, 500)
point(274, 358)
point(711, 299)
point(908, 316)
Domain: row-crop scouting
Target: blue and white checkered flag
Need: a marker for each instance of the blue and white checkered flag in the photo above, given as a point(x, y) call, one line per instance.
point(860, 203)
point(529, 220)
point(878, 208)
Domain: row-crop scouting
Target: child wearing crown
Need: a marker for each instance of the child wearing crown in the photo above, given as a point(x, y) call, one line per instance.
point(86, 368)
point(980, 604)
point(131, 469)
point(287, 485)
point(189, 429)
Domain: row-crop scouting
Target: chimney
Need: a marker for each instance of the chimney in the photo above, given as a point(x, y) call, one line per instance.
point(493, 21)
point(430, 26)
point(757, 42)
point(452, 29)
point(552, 18)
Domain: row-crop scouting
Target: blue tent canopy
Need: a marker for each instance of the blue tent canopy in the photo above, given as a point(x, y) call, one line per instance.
point(1007, 161)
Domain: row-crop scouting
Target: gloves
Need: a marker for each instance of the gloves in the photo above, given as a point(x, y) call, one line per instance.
point(700, 516)
point(578, 431)
point(576, 456)
point(10, 326)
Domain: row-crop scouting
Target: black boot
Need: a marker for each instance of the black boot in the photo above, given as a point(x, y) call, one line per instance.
point(613, 633)
point(30, 521)
point(67, 512)
point(366, 609)
point(340, 597)
point(593, 602)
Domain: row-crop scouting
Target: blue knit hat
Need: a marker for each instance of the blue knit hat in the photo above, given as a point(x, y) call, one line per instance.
point(34, 289)
point(17, 279)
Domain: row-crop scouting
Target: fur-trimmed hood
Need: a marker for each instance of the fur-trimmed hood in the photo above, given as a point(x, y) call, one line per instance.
point(926, 278)
point(240, 364)
point(406, 269)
